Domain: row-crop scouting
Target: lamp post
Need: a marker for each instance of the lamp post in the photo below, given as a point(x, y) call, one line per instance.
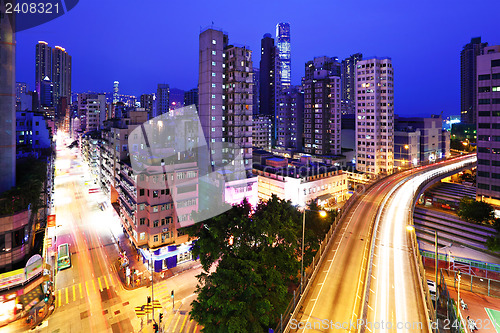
point(412, 228)
point(322, 213)
point(459, 276)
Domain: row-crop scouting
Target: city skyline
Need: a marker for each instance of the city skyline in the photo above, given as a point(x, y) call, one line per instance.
point(173, 60)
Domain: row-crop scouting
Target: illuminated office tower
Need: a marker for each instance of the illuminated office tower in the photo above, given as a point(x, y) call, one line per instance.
point(43, 64)
point(283, 44)
point(7, 101)
point(268, 82)
point(375, 116)
point(116, 95)
point(61, 73)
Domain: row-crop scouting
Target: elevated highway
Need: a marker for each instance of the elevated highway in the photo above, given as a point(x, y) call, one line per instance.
point(368, 277)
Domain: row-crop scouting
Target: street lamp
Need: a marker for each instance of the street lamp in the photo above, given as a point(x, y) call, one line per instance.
point(411, 228)
point(323, 214)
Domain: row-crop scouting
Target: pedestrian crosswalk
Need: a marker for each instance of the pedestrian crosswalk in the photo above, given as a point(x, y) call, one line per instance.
point(80, 290)
point(179, 322)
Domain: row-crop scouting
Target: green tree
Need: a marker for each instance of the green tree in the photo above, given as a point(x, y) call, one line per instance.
point(493, 242)
point(257, 258)
point(475, 211)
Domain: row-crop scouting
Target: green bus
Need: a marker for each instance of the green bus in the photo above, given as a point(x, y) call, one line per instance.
point(63, 256)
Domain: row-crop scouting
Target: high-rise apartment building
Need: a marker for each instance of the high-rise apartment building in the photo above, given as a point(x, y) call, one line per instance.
point(43, 64)
point(147, 101)
point(488, 125)
point(322, 107)
point(61, 73)
point(284, 49)
point(468, 74)
point(375, 116)
point(191, 97)
point(238, 103)
point(225, 109)
point(162, 101)
point(261, 132)
point(348, 83)
point(290, 118)
point(7, 100)
point(210, 90)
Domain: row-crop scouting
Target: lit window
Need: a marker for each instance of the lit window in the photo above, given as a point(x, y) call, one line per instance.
point(213, 63)
point(214, 53)
point(213, 129)
point(214, 41)
point(213, 96)
point(213, 85)
point(213, 74)
point(143, 235)
point(213, 107)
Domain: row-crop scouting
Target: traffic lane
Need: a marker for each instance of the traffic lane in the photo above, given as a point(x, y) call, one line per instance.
point(332, 296)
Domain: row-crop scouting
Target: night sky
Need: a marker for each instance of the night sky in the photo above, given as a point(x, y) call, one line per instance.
point(142, 43)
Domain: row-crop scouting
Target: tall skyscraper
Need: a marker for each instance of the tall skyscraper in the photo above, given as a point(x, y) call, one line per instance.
point(375, 116)
point(210, 90)
point(225, 97)
point(61, 73)
point(162, 101)
point(488, 125)
point(7, 99)
point(46, 94)
point(116, 94)
point(283, 44)
point(290, 105)
point(348, 83)
point(43, 64)
point(468, 73)
point(268, 82)
point(322, 107)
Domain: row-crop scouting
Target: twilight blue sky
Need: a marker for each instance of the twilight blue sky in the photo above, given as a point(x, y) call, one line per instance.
point(142, 43)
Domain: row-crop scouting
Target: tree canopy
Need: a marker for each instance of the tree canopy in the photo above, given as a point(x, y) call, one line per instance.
point(475, 211)
point(257, 258)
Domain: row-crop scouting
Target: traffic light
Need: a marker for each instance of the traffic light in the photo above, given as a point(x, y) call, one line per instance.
point(149, 299)
point(172, 294)
point(155, 327)
point(46, 298)
point(161, 316)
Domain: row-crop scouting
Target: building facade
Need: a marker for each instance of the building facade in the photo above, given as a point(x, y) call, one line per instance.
point(43, 64)
point(191, 97)
point(468, 76)
point(61, 73)
point(488, 125)
point(261, 136)
point(147, 101)
point(284, 53)
point(290, 120)
point(375, 116)
point(348, 79)
point(162, 101)
point(322, 114)
point(268, 81)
